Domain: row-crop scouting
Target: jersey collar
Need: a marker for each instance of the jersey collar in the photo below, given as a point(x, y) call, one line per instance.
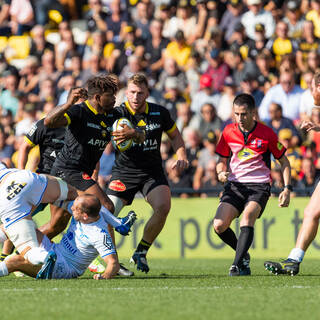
point(90, 107)
point(132, 111)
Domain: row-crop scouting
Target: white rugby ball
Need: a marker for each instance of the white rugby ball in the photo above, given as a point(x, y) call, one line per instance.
point(117, 127)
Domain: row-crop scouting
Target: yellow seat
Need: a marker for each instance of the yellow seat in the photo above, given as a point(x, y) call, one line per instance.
point(3, 43)
point(20, 45)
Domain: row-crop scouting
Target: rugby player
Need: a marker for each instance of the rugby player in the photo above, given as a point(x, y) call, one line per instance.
point(311, 216)
point(249, 145)
point(139, 168)
point(86, 238)
point(20, 192)
point(88, 132)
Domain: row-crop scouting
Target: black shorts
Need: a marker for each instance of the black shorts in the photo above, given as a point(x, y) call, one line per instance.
point(125, 185)
point(239, 194)
point(78, 179)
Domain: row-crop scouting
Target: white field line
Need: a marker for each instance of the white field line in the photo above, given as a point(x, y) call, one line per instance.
point(145, 288)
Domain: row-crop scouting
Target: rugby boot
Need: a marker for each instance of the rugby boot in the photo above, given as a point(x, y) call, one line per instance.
point(139, 258)
point(244, 266)
point(124, 272)
point(126, 223)
point(234, 271)
point(47, 268)
point(288, 267)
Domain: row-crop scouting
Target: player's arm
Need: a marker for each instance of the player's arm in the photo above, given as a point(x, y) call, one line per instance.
point(179, 148)
point(284, 196)
point(23, 153)
point(112, 267)
point(95, 173)
point(309, 125)
point(57, 118)
point(222, 169)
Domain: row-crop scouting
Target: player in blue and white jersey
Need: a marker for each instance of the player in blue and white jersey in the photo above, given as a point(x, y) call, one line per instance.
point(86, 238)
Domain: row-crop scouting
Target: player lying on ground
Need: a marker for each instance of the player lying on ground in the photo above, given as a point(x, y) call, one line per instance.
point(249, 144)
point(86, 238)
point(310, 224)
point(20, 192)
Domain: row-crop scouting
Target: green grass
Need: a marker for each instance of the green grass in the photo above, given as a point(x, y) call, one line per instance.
point(173, 289)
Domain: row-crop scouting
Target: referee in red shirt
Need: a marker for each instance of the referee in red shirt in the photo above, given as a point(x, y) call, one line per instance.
point(245, 149)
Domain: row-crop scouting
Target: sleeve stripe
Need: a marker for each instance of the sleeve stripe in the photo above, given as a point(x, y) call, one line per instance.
point(108, 254)
point(68, 118)
point(26, 139)
point(172, 128)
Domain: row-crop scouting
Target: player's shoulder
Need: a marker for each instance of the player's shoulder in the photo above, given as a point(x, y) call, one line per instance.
point(263, 129)
point(156, 108)
point(230, 128)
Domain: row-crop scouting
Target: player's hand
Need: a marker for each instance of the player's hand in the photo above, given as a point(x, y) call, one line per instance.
point(284, 198)
point(122, 135)
point(180, 165)
point(309, 125)
point(98, 276)
point(223, 176)
point(76, 94)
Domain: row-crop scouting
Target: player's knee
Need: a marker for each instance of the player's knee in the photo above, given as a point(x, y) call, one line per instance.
point(219, 226)
point(311, 213)
point(163, 209)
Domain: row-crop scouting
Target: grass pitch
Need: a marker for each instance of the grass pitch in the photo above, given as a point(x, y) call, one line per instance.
point(173, 289)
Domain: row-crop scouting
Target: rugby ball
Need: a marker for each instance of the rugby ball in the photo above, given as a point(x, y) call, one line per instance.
point(117, 127)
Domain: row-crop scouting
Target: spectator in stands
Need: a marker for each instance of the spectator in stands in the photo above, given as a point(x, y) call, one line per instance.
point(306, 43)
point(205, 95)
point(293, 18)
point(278, 122)
point(142, 20)
point(28, 119)
point(155, 48)
point(306, 102)
point(218, 70)
point(96, 47)
point(134, 65)
point(65, 84)
point(250, 85)
point(309, 176)
point(230, 18)
point(210, 180)
point(5, 29)
point(48, 67)
point(8, 97)
point(206, 121)
point(171, 69)
point(287, 94)
point(93, 69)
point(257, 45)
point(116, 21)
point(177, 180)
point(96, 17)
point(47, 91)
point(6, 150)
point(179, 50)
point(255, 15)
point(313, 61)
point(207, 154)
point(29, 81)
point(184, 115)
point(38, 42)
point(314, 16)
point(281, 44)
point(21, 16)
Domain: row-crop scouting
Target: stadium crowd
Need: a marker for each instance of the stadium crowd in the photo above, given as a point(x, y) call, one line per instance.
point(197, 55)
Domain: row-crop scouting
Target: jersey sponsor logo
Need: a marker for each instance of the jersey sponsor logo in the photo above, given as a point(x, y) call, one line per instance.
point(33, 129)
point(98, 143)
point(14, 188)
point(93, 125)
point(57, 140)
point(279, 145)
point(68, 246)
point(148, 144)
point(245, 154)
point(104, 133)
point(141, 123)
point(256, 143)
point(155, 113)
point(117, 185)
point(85, 176)
point(103, 124)
point(53, 154)
point(153, 126)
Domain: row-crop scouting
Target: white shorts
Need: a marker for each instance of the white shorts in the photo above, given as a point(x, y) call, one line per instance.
point(61, 270)
point(19, 192)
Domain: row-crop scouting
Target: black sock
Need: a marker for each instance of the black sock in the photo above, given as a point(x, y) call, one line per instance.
point(3, 256)
point(244, 243)
point(228, 237)
point(143, 246)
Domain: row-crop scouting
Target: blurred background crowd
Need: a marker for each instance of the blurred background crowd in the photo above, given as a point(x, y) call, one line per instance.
point(197, 55)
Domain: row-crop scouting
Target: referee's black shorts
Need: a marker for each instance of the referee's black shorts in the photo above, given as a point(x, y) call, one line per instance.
point(126, 184)
point(239, 194)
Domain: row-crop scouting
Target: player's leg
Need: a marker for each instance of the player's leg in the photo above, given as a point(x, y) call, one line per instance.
point(160, 200)
point(7, 249)
point(307, 233)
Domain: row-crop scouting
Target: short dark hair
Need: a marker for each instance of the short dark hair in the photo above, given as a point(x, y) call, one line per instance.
point(101, 84)
point(139, 79)
point(246, 100)
point(316, 78)
point(91, 206)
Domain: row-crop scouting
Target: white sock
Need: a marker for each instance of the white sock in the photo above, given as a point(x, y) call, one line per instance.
point(3, 236)
point(109, 217)
point(36, 255)
point(3, 269)
point(296, 254)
